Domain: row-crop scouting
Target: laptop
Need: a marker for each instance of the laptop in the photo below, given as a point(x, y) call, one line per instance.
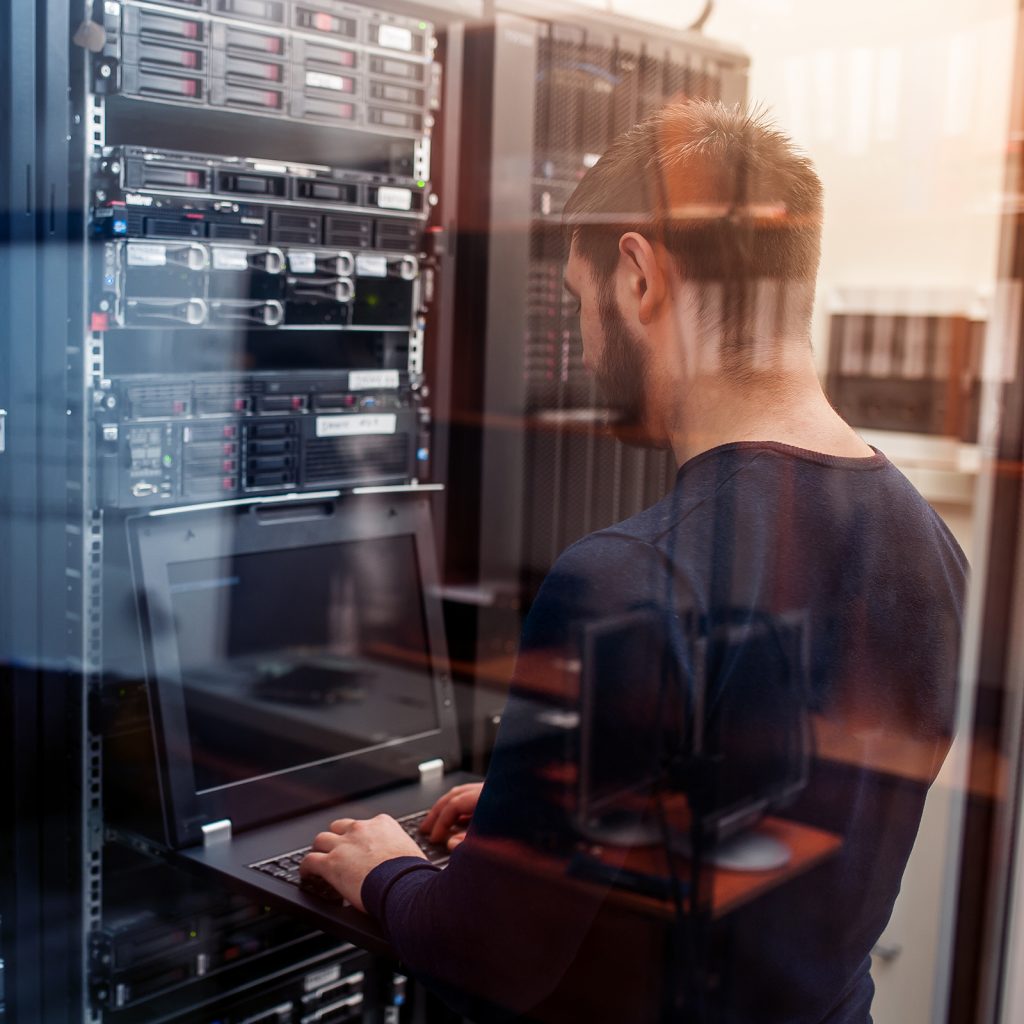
point(297, 673)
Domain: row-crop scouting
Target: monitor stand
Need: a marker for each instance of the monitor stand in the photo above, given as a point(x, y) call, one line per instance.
point(747, 851)
point(622, 828)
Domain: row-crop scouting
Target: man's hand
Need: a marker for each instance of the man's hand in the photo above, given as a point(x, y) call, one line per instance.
point(344, 856)
point(447, 820)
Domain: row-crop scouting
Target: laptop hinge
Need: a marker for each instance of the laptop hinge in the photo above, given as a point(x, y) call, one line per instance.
point(217, 832)
point(432, 771)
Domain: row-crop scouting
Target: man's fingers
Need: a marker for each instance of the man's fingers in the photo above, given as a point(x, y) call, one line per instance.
point(455, 839)
point(325, 842)
point(458, 807)
point(428, 822)
point(342, 825)
point(313, 864)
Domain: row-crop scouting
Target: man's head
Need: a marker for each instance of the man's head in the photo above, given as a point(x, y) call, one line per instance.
point(694, 247)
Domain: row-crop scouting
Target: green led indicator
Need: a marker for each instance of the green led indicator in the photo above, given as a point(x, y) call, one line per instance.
point(192, 934)
point(168, 460)
point(421, 183)
point(423, 26)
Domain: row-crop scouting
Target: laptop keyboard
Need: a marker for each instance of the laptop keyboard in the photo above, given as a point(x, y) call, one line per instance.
point(286, 865)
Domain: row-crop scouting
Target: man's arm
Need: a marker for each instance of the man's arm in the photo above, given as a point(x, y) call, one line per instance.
point(488, 923)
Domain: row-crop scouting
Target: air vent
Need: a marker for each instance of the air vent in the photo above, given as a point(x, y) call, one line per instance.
point(295, 228)
point(157, 227)
point(348, 232)
point(159, 401)
point(399, 235)
point(237, 232)
point(344, 459)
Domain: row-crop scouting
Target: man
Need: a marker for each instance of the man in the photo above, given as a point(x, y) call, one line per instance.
point(694, 248)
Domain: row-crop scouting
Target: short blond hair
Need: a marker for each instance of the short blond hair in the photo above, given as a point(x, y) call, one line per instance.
point(726, 193)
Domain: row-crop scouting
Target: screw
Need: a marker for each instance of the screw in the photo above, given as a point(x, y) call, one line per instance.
point(105, 71)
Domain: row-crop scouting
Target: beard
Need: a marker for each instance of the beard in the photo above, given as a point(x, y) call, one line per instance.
point(621, 379)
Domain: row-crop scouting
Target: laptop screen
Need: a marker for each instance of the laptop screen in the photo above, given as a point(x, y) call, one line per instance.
point(292, 658)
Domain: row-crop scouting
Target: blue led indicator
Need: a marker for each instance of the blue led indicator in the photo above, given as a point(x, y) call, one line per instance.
point(423, 454)
point(109, 281)
point(120, 227)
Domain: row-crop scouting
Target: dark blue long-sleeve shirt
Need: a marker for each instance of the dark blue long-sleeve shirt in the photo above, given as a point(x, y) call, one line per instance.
point(761, 531)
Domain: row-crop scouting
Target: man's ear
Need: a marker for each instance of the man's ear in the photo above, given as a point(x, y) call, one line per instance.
point(644, 275)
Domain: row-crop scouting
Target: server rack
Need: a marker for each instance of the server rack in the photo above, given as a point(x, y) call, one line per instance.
point(120, 291)
point(557, 84)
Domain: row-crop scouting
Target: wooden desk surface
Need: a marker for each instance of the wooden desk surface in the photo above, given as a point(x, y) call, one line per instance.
point(730, 890)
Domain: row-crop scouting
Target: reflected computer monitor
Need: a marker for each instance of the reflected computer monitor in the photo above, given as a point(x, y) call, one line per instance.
point(729, 729)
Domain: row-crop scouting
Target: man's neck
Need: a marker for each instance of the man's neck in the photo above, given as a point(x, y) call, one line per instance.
point(790, 409)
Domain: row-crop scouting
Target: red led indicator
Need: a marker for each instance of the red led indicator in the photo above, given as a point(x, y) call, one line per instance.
point(99, 322)
point(190, 60)
point(274, 45)
point(179, 406)
point(193, 216)
point(324, 23)
point(228, 483)
point(189, 88)
point(230, 431)
point(239, 404)
point(191, 30)
point(296, 402)
point(272, 99)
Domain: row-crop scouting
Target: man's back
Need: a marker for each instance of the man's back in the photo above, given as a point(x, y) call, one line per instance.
point(844, 545)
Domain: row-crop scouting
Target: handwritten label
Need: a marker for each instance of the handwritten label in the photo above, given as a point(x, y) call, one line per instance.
point(368, 265)
point(346, 426)
point(147, 255)
point(395, 37)
point(390, 198)
point(230, 259)
point(302, 262)
point(321, 80)
point(365, 380)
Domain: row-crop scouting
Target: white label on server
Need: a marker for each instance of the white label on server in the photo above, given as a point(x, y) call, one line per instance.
point(302, 262)
point(146, 254)
point(343, 426)
point(230, 259)
point(365, 380)
point(395, 37)
point(389, 198)
point(321, 80)
point(325, 976)
point(368, 265)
